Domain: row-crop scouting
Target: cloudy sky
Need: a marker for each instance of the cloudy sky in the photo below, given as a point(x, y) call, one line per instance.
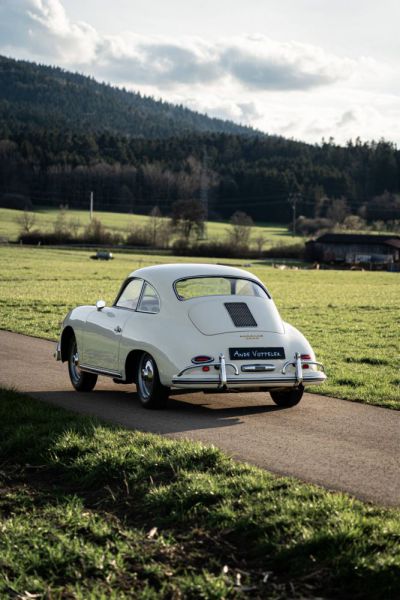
point(305, 69)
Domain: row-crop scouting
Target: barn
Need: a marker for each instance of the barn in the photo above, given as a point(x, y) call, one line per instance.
point(355, 248)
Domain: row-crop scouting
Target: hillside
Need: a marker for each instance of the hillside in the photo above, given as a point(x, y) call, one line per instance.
point(45, 96)
point(63, 135)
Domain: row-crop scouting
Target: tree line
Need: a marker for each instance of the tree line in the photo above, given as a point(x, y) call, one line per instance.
point(229, 173)
point(63, 135)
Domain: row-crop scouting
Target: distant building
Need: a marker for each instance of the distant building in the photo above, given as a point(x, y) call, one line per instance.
point(355, 248)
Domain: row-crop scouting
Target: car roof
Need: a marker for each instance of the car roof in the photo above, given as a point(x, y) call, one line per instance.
point(166, 274)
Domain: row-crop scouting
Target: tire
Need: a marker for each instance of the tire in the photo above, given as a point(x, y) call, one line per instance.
point(288, 398)
point(82, 382)
point(152, 394)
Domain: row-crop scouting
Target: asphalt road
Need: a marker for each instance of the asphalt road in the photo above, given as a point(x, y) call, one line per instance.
point(340, 445)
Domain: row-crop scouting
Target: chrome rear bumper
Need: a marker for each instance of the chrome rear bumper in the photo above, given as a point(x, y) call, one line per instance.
point(223, 381)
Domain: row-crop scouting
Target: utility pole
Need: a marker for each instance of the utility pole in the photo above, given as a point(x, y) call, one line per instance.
point(91, 205)
point(204, 192)
point(293, 200)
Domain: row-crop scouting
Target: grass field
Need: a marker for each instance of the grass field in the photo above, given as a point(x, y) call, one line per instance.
point(121, 223)
point(352, 319)
point(91, 511)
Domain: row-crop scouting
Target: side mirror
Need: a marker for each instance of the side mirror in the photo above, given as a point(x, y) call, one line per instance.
point(100, 304)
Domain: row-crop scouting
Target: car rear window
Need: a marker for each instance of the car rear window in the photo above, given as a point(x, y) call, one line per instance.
point(194, 287)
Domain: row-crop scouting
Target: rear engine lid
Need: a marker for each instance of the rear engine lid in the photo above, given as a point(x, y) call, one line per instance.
point(224, 315)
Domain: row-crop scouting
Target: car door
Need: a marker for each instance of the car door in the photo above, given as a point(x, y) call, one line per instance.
point(105, 327)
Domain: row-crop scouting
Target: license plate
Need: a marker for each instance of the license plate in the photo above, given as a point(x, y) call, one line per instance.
point(256, 353)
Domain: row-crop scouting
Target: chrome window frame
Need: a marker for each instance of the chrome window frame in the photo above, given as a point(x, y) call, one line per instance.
point(125, 285)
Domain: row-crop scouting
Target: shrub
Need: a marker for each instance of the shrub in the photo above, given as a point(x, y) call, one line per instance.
point(37, 237)
point(96, 233)
point(297, 251)
point(306, 226)
point(138, 236)
point(212, 249)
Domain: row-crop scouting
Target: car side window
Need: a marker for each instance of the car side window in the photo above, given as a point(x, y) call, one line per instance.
point(150, 302)
point(130, 295)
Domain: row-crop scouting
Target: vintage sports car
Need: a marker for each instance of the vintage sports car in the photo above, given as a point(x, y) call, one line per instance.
point(189, 327)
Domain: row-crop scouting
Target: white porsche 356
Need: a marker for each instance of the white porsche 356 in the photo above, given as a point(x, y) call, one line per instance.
point(189, 327)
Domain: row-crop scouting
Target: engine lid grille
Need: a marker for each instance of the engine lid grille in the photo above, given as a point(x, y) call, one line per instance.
point(240, 314)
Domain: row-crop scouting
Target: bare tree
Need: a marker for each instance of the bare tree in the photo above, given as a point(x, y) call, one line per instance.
point(240, 230)
point(260, 241)
point(74, 226)
point(60, 225)
point(188, 218)
point(338, 210)
point(26, 221)
point(153, 225)
point(354, 222)
point(164, 233)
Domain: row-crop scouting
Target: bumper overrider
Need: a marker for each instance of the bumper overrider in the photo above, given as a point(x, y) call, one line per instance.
point(57, 353)
point(229, 376)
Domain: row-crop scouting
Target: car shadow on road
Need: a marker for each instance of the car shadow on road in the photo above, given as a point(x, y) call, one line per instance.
point(183, 413)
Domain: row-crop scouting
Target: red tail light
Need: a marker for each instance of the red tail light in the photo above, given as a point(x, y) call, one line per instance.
point(305, 357)
point(202, 359)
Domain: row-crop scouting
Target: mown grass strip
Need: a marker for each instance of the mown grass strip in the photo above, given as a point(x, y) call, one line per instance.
point(88, 510)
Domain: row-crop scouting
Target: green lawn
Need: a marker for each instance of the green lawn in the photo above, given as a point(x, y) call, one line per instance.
point(92, 511)
point(352, 319)
point(121, 223)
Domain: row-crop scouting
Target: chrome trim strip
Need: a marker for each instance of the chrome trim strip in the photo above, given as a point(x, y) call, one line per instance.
point(212, 364)
point(96, 371)
point(303, 362)
point(281, 380)
point(256, 368)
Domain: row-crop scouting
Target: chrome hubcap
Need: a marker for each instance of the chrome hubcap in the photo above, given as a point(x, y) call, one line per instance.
point(74, 364)
point(146, 378)
point(148, 373)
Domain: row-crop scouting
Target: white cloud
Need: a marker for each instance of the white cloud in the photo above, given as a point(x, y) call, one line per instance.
point(287, 88)
point(43, 30)
point(254, 62)
point(264, 64)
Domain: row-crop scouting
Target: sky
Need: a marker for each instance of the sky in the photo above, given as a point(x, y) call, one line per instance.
point(303, 69)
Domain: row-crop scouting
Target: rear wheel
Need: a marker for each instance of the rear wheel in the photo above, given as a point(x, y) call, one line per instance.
point(151, 392)
point(287, 398)
point(82, 382)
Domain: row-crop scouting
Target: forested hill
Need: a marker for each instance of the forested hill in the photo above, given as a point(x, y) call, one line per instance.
point(63, 136)
point(51, 97)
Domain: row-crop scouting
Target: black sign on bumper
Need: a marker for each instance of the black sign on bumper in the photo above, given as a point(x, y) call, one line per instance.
point(256, 353)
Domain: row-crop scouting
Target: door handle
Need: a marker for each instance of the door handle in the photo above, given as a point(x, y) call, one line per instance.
point(117, 329)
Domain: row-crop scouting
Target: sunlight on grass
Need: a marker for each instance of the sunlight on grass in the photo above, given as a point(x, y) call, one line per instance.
point(123, 222)
point(89, 510)
point(352, 319)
